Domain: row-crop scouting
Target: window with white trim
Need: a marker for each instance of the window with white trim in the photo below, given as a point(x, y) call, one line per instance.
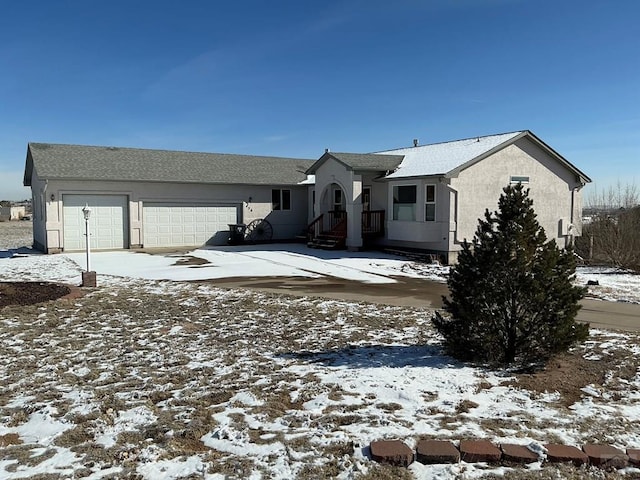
point(280, 199)
point(430, 203)
point(404, 202)
point(515, 179)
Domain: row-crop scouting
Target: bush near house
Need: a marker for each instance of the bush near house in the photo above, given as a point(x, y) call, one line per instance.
point(511, 294)
point(612, 238)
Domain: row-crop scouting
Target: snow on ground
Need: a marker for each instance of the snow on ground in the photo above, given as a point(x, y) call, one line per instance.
point(614, 285)
point(169, 379)
point(286, 260)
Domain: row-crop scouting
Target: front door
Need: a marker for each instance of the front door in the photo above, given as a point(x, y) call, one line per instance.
point(366, 206)
point(366, 199)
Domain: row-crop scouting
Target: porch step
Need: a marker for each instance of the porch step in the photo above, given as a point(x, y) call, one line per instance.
point(327, 242)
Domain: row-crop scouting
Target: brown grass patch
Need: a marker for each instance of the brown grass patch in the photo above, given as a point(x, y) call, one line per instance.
point(10, 439)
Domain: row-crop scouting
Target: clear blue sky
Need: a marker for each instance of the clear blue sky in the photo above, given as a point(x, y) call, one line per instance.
point(290, 78)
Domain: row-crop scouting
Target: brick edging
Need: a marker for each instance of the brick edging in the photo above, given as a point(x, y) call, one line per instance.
point(396, 452)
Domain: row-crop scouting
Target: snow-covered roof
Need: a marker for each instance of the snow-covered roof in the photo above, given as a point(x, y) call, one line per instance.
point(442, 158)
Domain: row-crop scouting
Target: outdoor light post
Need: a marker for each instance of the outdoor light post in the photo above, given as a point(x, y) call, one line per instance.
point(86, 211)
point(88, 277)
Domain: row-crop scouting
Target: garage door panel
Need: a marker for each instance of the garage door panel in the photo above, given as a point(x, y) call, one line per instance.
point(167, 225)
point(108, 223)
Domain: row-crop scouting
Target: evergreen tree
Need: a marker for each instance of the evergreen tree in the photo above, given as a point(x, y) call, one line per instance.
point(511, 293)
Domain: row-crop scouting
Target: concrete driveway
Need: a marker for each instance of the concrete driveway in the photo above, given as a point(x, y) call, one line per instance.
point(416, 292)
point(295, 269)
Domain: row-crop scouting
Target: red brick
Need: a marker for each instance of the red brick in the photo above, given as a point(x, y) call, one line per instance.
point(634, 455)
point(517, 454)
point(565, 453)
point(392, 452)
point(606, 456)
point(472, 451)
point(436, 451)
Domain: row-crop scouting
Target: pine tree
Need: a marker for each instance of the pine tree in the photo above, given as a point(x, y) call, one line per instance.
point(511, 293)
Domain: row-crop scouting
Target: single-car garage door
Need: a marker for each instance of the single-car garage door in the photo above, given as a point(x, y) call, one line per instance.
point(107, 224)
point(170, 225)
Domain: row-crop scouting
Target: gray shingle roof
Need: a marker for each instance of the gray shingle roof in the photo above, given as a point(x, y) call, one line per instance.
point(361, 161)
point(78, 162)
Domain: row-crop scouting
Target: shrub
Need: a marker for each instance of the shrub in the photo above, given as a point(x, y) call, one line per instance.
point(511, 293)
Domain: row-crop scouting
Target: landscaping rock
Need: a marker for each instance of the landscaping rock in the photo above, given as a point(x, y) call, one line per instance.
point(517, 453)
point(606, 456)
point(436, 451)
point(472, 451)
point(634, 455)
point(392, 452)
point(565, 453)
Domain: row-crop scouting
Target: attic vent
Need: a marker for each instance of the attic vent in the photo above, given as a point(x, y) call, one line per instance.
point(415, 142)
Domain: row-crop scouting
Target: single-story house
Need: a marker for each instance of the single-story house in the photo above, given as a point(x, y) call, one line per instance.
point(427, 198)
point(14, 212)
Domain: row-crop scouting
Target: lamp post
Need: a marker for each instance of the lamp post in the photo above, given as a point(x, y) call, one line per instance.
point(88, 277)
point(86, 211)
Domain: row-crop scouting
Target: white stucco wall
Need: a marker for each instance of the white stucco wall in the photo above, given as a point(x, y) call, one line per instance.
point(255, 204)
point(331, 173)
point(428, 235)
point(462, 200)
point(551, 188)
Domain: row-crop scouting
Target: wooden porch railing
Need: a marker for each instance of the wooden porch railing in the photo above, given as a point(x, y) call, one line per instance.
point(335, 217)
point(315, 228)
point(373, 223)
point(372, 226)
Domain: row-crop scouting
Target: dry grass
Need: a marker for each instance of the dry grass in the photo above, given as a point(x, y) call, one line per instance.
point(200, 363)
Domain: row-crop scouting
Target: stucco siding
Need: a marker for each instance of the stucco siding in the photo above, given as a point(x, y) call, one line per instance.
point(428, 235)
point(255, 204)
point(550, 185)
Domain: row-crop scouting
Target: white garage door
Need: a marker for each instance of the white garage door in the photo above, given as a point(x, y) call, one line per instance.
point(167, 225)
point(107, 224)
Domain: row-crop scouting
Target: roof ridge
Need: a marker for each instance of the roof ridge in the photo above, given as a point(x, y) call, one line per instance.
point(113, 148)
point(515, 132)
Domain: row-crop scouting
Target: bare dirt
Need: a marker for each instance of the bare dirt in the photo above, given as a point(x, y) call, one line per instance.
point(30, 293)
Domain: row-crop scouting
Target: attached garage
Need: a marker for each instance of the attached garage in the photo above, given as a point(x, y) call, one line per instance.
point(172, 225)
point(144, 198)
point(108, 223)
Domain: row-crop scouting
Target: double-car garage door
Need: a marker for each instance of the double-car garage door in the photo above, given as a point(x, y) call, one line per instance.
point(164, 224)
point(171, 225)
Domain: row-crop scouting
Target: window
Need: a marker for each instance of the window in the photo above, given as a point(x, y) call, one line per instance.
point(337, 200)
point(519, 179)
point(404, 202)
point(280, 199)
point(430, 203)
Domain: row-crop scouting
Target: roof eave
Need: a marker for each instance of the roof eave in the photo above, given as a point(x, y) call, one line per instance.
point(323, 159)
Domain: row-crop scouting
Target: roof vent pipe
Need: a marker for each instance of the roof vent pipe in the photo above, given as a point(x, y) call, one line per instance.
point(415, 142)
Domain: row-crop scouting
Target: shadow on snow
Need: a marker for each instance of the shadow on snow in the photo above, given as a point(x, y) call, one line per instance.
point(379, 356)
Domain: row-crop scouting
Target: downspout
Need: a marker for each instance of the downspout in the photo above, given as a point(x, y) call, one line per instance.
point(572, 216)
point(571, 219)
point(455, 213)
point(43, 202)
